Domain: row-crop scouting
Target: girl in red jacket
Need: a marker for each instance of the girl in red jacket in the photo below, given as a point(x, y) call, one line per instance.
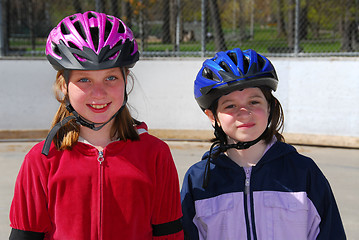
point(99, 174)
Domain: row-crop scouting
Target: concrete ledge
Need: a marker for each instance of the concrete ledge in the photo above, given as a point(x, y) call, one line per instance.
point(201, 136)
point(23, 134)
point(292, 138)
point(322, 140)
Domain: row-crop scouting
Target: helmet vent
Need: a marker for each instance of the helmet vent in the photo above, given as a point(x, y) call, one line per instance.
point(72, 45)
point(95, 36)
point(116, 45)
point(55, 49)
point(121, 28)
point(245, 64)
point(261, 62)
point(207, 73)
point(108, 28)
point(233, 57)
point(73, 17)
point(225, 66)
point(80, 30)
point(91, 15)
point(64, 29)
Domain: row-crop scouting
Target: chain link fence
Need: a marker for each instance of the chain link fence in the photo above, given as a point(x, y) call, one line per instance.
point(192, 28)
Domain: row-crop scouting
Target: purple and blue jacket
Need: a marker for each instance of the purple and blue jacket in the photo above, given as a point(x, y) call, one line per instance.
point(285, 196)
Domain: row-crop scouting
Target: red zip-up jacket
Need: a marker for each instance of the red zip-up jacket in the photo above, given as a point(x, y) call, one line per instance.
point(130, 190)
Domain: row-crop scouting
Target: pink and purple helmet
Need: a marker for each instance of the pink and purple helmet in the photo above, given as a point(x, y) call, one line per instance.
point(91, 41)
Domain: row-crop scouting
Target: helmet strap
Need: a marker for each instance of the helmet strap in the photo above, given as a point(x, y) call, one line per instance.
point(241, 145)
point(66, 73)
point(224, 146)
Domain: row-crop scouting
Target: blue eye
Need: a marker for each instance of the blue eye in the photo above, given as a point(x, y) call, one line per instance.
point(83, 80)
point(111, 78)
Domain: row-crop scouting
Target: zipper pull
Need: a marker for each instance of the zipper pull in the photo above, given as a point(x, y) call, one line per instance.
point(247, 181)
point(100, 158)
point(246, 186)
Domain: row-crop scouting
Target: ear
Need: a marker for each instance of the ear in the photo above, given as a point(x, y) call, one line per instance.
point(210, 116)
point(64, 88)
point(61, 82)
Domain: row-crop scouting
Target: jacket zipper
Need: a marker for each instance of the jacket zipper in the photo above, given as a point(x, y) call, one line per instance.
point(100, 159)
point(248, 205)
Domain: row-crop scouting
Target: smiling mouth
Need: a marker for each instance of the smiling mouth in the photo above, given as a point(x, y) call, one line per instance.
point(247, 125)
point(99, 106)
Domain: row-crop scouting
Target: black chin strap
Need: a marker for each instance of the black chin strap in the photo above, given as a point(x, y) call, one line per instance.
point(240, 145)
point(52, 133)
point(86, 123)
point(79, 120)
point(222, 148)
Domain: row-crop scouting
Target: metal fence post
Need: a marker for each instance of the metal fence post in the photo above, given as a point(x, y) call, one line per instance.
point(178, 27)
point(141, 28)
point(2, 50)
point(203, 28)
point(296, 27)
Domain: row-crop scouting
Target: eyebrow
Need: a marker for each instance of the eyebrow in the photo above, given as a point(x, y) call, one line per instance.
point(250, 97)
point(84, 73)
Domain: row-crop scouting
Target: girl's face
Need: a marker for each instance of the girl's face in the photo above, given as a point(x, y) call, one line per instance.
point(96, 94)
point(243, 115)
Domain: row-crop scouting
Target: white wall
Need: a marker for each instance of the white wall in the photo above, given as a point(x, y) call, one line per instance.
point(319, 95)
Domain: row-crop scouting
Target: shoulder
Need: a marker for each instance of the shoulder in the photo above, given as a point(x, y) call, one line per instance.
point(219, 165)
point(286, 159)
point(149, 141)
point(194, 176)
point(148, 147)
point(288, 152)
point(35, 165)
point(35, 151)
point(36, 157)
point(196, 169)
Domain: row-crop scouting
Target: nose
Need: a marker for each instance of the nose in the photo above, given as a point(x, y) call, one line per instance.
point(98, 90)
point(243, 111)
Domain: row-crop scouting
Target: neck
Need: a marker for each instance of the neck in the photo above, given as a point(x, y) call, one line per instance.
point(100, 139)
point(247, 157)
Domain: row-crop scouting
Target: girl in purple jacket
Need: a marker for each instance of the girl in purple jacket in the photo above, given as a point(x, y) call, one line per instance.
point(252, 185)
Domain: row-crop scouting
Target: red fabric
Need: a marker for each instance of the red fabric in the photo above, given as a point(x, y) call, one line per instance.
point(70, 195)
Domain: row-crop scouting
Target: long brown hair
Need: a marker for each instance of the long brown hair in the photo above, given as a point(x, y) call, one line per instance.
point(276, 118)
point(122, 128)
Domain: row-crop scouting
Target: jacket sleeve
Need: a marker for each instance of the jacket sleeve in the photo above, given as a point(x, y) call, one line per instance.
point(166, 222)
point(28, 211)
point(330, 226)
point(188, 209)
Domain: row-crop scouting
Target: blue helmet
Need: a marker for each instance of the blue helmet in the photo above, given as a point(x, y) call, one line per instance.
point(232, 70)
